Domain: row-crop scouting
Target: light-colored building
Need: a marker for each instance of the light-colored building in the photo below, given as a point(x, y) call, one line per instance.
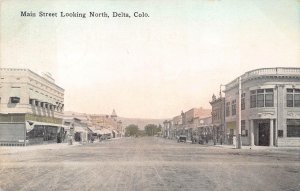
point(191, 118)
point(270, 107)
point(77, 130)
point(184, 124)
point(31, 107)
point(168, 129)
point(109, 122)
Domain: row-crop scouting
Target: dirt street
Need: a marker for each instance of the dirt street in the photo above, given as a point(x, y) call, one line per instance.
point(149, 163)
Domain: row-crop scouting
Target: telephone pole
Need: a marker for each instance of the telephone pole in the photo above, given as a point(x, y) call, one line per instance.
point(239, 140)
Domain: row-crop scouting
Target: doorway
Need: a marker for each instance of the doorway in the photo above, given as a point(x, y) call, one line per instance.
point(263, 134)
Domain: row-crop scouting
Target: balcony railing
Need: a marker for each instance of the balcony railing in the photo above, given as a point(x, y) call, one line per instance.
point(264, 72)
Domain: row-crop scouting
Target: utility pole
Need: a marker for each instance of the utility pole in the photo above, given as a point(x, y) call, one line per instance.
point(223, 118)
point(239, 140)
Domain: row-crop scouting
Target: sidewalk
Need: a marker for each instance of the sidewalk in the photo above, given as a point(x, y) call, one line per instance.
point(260, 148)
point(51, 146)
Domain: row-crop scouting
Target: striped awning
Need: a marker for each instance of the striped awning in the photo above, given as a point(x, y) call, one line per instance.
point(99, 132)
point(79, 129)
point(116, 132)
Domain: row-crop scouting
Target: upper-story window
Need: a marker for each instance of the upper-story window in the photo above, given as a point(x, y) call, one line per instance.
point(252, 98)
point(293, 97)
point(227, 109)
point(15, 95)
point(243, 101)
point(233, 107)
point(213, 115)
point(269, 98)
point(262, 98)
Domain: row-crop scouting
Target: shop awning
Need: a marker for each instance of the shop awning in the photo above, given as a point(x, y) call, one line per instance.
point(79, 129)
point(106, 131)
point(29, 126)
point(92, 129)
point(99, 132)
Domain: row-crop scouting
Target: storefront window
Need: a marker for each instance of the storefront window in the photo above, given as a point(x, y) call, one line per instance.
point(36, 132)
point(243, 128)
point(297, 100)
point(293, 128)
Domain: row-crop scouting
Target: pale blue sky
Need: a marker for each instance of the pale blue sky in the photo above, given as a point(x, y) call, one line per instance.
point(149, 67)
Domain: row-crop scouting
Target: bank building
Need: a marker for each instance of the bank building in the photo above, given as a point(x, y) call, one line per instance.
point(269, 105)
point(31, 108)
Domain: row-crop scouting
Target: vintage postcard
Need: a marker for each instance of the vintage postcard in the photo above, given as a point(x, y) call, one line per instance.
point(149, 95)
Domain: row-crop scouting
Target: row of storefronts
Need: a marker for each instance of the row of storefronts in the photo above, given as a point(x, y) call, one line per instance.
point(25, 132)
point(195, 124)
point(32, 112)
point(259, 108)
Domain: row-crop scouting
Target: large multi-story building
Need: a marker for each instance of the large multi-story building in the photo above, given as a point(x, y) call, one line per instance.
point(270, 107)
point(189, 116)
point(31, 107)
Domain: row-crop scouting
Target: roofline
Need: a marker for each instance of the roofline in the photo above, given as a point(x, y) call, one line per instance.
point(275, 71)
point(34, 73)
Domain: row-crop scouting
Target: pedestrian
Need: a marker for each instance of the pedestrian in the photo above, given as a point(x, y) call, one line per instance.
point(221, 140)
point(234, 140)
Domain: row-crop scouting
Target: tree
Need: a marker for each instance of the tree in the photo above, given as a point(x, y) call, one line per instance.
point(152, 129)
point(131, 130)
point(159, 128)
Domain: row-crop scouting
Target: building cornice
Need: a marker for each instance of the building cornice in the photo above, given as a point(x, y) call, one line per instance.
point(33, 73)
point(265, 73)
point(220, 99)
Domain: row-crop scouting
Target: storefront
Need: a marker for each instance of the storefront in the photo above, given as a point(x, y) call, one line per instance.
point(230, 132)
point(40, 133)
point(29, 133)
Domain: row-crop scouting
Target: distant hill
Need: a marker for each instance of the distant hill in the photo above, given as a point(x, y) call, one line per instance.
point(141, 123)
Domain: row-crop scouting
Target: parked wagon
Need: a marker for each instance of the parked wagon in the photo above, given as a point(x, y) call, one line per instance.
point(182, 138)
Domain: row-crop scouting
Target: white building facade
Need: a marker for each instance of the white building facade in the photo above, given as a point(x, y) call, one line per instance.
point(28, 100)
point(270, 107)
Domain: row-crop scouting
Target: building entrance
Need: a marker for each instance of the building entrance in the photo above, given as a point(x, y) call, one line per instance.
point(263, 134)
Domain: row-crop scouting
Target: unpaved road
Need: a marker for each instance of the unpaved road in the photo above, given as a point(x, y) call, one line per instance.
point(148, 164)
